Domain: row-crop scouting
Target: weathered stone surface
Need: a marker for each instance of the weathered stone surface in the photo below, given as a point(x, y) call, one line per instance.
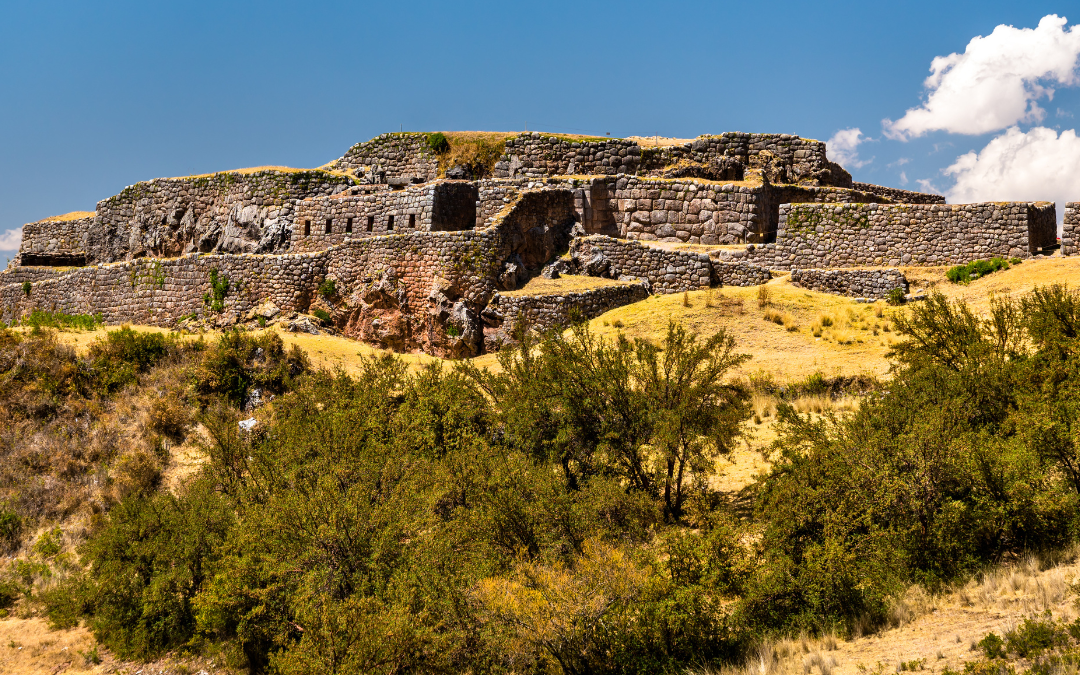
point(505, 314)
point(875, 283)
point(860, 235)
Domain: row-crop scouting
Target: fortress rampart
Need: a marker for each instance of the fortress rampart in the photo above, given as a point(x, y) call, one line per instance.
point(857, 235)
point(784, 158)
point(324, 221)
point(874, 284)
point(899, 196)
point(398, 159)
point(554, 310)
point(416, 261)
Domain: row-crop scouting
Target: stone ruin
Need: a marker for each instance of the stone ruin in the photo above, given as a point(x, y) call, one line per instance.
point(385, 248)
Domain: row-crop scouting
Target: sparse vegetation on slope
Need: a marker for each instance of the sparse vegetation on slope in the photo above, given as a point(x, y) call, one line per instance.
point(559, 515)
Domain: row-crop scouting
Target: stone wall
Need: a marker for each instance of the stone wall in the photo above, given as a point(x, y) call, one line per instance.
point(899, 196)
point(16, 274)
point(857, 235)
point(784, 158)
point(1070, 229)
point(398, 159)
point(361, 212)
point(56, 241)
point(874, 284)
point(544, 312)
point(593, 199)
point(707, 212)
point(230, 212)
point(666, 271)
point(726, 273)
point(161, 291)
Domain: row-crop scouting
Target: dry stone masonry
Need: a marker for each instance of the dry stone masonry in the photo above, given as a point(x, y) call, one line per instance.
point(874, 284)
point(1070, 229)
point(422, 263)
point(857, 235)
point(506, 314)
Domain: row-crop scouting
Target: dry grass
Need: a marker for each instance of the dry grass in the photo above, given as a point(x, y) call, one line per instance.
point(787, 354)
point(564, 284)
point(254, 169)
point(926, 632)
point(74, 215)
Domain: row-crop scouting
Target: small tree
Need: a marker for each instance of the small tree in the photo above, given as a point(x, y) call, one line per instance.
point(694, 415)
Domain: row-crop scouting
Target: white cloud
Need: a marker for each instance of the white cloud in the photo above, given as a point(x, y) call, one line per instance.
point(996, 82)
point(843, 147)
point(926, 186)
point(1034, 165)
point(11, 240)
point(903, 178)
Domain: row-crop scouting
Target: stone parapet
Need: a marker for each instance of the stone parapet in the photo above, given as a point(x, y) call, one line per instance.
point(726, 273)
point(506, 313)
point(898, 196)
point(873, 283)
point(862, 235)
point(666, 271)
point(401, 158)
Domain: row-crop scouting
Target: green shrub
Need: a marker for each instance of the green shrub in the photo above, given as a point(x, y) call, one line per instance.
point(965, 274)
point(438, 143)
point(1036, 635)
point(322, 315)
point(328, 288)
point(41, 319)
point(895, 297)
point(214, 299)
point(49, 543)
point(10, 531)
point(239, 361)
point(992, 646)
point(119, 357)
point(26, 287)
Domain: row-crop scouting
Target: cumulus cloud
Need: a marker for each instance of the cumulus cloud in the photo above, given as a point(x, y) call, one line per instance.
point(925, 185)
point(11, 240)
point(903, 178)
point(843, 147)
point(996, 82)
point(1034, 165)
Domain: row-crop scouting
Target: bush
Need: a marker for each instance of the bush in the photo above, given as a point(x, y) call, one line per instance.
point(119, 357)
point(322, 315)
point(10, 531)
point(992, 646)
point(145, 567)
point(41, 319)
point(965, 274)
point(895, 297)
point(438, 143)
point(1036, 635)
point(214, 299)
point(238, 362)
point(26, 287)
point(328, 288)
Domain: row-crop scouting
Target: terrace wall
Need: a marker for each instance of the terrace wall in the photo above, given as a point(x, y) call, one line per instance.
point(858, 235)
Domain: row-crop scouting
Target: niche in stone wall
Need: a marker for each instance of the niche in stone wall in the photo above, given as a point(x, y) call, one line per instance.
point(370, 223)
point(390, 224)
point(412, 221)
point(348, 226)
point(307, 228)
point(329, 225)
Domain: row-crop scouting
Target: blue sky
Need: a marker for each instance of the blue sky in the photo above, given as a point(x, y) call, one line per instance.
point(96, 96)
